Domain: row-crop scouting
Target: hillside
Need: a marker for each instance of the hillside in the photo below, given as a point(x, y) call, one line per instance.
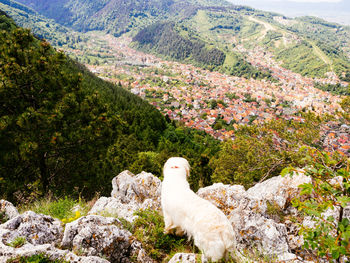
point(309, 46)
point(113, 16)
point(62, 126)
point(219, 104)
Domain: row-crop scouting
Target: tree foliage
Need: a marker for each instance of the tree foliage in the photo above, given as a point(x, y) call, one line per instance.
point(64, 130)
point(260, 152)
point(324, 201)
point(51, 129)
point(164, 39)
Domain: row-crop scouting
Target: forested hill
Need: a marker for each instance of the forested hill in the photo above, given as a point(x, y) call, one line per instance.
point(58, 121)
point(66, 131)
point(114, 16)
point(309, 46)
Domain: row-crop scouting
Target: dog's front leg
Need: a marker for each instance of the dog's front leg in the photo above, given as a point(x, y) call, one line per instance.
point(168, 224)
point(179, 231)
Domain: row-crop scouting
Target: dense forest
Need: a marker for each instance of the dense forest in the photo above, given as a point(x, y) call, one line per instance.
point(165, 39)
point(117, 17)
point(67, 131)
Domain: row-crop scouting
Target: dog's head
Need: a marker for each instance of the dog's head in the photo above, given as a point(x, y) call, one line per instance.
point(177, 163)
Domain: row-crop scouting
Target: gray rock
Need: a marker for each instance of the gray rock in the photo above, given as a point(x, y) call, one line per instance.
point(8, 210)
point(95, 235)
point(49, 250)
point(38, 229)
point(130, 193)
point(187, 258)
point(246, 211)
point(258, 233)
point(225, 197)
point(279, 190)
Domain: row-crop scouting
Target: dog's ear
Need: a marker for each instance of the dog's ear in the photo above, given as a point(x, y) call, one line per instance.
point(187, 168)
point(188, 171)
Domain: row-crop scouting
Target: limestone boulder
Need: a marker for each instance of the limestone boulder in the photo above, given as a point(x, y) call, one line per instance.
point(248, 214)
point(95, 235)
point(187, 258)
point(37, 229)
point(225, 197)
point(279, 190)
point(7, 211)
point(130, 193)
point(42, 234)
point(254, 232)
point(53, 253)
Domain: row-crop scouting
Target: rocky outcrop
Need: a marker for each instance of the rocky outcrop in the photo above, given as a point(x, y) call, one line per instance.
point(53, 253)
point(37, 229)
point(7, 211)
point(260, 217)
point(41, 233)
point(249, 212)
point(279, 190)
point(130, 193)
point(101, 236)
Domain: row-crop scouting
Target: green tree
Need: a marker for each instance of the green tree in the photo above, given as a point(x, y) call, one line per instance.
point(52, 133)
point(262, 151)
point(147, 161)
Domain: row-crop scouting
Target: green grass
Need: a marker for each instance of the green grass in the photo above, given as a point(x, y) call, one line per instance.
point(18, 242)
point(149, 229)
point(58, 208)
point(3, 217)
point(41, 258)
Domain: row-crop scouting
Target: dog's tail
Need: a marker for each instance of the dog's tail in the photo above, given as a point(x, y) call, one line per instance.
point(218, 246)
point(229, 241)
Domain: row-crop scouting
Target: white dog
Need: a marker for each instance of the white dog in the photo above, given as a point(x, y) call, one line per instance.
point(186, 212)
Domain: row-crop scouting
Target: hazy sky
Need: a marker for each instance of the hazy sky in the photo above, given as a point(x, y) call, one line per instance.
point(331, 10)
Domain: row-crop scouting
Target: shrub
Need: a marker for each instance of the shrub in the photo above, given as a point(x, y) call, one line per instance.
point(3, 217)
point(329, 236)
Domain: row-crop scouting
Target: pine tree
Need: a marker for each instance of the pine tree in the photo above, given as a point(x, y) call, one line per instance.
point(52, 132)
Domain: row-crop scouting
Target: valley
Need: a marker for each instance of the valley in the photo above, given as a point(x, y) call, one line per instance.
point(269, 68)
point(211, 101)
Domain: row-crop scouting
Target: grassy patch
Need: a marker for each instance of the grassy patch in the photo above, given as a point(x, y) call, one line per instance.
point(41, 258)
point(149, 227)
point(61, 208)
point(275, 212)
point(18, 242)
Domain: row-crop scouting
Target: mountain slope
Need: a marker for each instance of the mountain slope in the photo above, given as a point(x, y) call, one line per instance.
point(114, 16)
point(60, 125)
point(306, 45)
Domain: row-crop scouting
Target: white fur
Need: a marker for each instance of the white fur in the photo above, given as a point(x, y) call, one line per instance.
point(186, 212)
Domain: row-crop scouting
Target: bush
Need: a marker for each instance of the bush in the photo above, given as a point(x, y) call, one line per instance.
point(3, 217)
point(329, 191)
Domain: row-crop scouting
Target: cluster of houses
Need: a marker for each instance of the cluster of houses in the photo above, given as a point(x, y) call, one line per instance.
point(201, 98)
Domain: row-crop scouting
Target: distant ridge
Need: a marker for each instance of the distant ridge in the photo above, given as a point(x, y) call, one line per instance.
point(306, 45)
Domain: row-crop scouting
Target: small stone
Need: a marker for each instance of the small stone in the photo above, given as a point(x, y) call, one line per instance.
point(7, 211)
